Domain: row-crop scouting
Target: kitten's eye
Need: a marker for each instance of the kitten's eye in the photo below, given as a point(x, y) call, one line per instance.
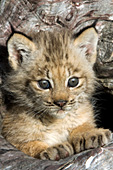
point(44, 84)
point(73, 82)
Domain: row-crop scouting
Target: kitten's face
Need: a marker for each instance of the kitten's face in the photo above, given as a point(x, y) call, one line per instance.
point(55, 75)
point(63, 86)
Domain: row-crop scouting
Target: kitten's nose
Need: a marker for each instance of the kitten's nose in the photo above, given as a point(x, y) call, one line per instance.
point(60, 103)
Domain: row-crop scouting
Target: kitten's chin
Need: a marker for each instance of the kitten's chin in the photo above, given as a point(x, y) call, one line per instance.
point(60, 114)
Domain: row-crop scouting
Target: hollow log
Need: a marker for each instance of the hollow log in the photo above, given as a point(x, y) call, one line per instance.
point(31, 15)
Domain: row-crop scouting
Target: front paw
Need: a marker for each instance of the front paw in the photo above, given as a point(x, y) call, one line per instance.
point(57, 152)
point(91, 139)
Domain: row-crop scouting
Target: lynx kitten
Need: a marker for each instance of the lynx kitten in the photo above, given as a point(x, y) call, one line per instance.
point(47, 94)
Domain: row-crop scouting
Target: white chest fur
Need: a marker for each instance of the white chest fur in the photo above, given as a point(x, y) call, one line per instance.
point(58, 132)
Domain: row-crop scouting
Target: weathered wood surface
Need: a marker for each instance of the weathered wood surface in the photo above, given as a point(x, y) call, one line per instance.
point(96, 159)
point(32, 15)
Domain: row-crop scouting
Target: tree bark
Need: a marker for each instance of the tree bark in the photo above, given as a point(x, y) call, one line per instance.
point(75, 15)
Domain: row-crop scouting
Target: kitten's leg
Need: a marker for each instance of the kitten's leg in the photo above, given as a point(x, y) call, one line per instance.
point(57, 152)
point(87, 137)
point(32, 148)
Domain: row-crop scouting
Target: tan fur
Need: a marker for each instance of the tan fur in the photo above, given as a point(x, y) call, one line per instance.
point(32, 148)
point(34, 122)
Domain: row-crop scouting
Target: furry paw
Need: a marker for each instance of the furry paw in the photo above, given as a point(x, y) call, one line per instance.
point(91, 139)
point(57, 152)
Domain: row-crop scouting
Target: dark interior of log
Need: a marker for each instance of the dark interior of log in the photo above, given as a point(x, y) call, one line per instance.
point(103, 109)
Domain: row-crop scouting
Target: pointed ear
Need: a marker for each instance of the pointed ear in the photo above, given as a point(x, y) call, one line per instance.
point(87, 43)
point(19, 48)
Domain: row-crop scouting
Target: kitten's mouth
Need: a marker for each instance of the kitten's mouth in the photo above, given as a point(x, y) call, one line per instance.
point(61, 112)
point(64, 110)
